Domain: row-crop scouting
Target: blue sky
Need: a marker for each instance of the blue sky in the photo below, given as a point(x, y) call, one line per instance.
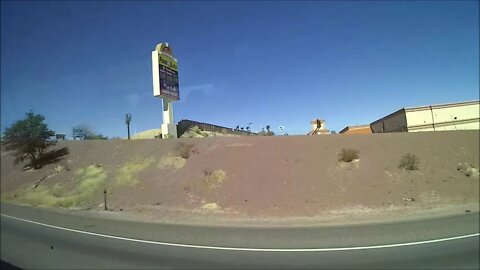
point(276, 63)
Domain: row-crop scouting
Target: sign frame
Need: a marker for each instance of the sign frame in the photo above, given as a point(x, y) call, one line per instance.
point(165, 73)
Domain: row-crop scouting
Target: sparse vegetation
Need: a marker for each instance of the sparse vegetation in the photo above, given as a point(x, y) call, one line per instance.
point(213, 178)
point(91, 180)
point(210, 206)
point(196, 129)
point(409, 162)
point(184, 150)
point(467, 169)
point(171, 162)
point(348, 155)
point(127, 174)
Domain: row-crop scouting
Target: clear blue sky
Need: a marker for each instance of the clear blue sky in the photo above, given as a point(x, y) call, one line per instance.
point(277, 63)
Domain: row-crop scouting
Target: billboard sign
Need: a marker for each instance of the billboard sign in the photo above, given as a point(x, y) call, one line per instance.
point(165, 73)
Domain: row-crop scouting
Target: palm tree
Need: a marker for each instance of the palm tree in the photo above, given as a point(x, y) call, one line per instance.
point(268, 128)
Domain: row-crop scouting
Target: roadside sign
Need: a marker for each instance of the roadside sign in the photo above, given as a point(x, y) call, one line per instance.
point(165, 73)
point(78, 133)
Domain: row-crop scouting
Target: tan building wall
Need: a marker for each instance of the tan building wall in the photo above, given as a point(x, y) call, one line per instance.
point(452, 116)
point(455, 116)
point(356, 130)
point(395, 122)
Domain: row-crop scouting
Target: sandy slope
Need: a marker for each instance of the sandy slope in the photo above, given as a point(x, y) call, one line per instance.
point(247, 178)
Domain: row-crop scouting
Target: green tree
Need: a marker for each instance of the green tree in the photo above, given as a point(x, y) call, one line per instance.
point(29, 138)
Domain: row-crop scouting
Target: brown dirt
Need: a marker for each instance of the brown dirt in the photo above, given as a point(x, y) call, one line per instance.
point(267, 178)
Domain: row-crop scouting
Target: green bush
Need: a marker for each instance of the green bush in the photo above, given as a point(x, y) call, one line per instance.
point(409, 162)
point(348, 155)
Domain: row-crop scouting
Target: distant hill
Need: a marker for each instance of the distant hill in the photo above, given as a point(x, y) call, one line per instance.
point(147, 134)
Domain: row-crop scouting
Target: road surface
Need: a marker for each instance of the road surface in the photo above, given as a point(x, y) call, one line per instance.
point(42, 238)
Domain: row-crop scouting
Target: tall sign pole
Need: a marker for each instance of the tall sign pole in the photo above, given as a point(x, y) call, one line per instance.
point(165, 85)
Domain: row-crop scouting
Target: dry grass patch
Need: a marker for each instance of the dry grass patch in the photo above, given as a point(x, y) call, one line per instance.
point(91, 181)
point(171, 162)
point(213, 179)
point(184, 150)
point(210, 206)
point(348, 155)
point(127, 174)
point(409, 162)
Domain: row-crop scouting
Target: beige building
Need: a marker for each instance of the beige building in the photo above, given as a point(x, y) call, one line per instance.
point(451, 116)
point(359, 129)
point(318, 127)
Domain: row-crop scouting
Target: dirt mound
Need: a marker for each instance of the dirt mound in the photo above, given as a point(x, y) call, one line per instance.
point(288, 176)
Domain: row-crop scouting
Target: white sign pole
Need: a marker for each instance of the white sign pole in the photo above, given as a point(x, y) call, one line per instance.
point(169, 130)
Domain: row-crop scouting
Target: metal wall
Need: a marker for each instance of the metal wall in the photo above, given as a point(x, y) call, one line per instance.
point(185, 124)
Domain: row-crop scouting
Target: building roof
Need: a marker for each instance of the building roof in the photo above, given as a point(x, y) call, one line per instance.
point(443, 105)
point(435, 106)
point(354, 127)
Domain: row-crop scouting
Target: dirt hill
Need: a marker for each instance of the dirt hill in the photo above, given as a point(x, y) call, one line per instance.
point(252, 178)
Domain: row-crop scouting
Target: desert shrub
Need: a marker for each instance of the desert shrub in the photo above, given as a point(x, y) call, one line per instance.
point(467, 169)
point(348, 155)
point(409, 162)
point(184, 150)
point(196, 129)
point(224, 131)
point(213, 179)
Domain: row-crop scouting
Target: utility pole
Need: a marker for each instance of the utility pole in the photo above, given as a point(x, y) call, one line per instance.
point(128, 119)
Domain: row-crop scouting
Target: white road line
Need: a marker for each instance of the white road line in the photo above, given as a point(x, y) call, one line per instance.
point(249, 249)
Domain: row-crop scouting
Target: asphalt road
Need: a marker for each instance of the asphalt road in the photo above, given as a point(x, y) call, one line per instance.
point(41, 238)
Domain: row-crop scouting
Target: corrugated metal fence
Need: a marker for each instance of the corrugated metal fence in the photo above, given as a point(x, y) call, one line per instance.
point(185, 124)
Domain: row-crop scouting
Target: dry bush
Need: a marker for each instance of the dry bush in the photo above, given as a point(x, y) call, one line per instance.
point(213, 179)
point(184, 150)
point(348, 155)
point(409, 162)
point(196, 129)
point(467, 169)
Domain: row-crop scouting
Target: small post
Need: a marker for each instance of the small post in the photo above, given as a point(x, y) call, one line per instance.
point(105, 198)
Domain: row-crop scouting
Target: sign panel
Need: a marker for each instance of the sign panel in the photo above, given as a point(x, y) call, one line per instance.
point(165, 73)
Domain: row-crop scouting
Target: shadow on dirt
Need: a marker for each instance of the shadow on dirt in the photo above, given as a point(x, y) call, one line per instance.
point(49, 157)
